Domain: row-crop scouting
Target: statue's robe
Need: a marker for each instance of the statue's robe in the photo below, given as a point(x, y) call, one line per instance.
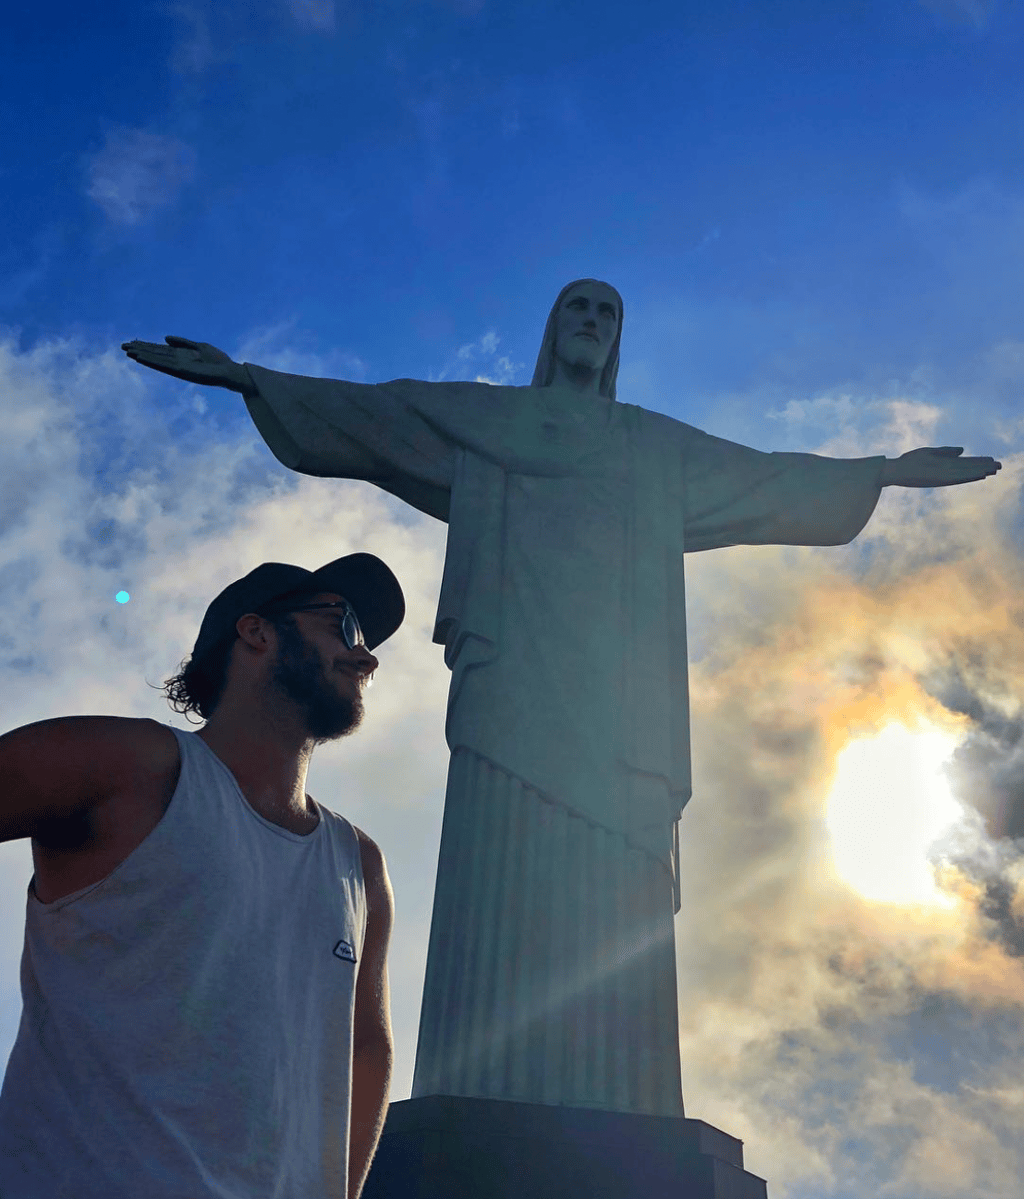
point(551, 967)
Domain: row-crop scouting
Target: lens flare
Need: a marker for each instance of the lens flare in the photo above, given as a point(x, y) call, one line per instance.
point(890, 803)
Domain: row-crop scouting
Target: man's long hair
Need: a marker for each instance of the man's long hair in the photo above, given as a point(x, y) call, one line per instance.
point(199, 685)
point(545, 370)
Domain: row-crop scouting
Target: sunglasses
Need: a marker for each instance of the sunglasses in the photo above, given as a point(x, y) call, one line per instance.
point(350, 629)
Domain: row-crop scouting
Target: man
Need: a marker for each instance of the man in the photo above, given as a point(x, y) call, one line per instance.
point(205, 996)
point(551, 967)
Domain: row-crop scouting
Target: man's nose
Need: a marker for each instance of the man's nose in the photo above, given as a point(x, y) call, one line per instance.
point(365, 662)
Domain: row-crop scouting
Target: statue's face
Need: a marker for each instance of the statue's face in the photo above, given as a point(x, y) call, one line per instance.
point(586, 325)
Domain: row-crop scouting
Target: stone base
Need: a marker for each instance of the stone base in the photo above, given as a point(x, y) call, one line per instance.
point(450, 1147)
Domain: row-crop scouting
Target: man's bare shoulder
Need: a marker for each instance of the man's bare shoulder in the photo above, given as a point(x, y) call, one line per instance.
point(112, 742)
point(368, 848)
point(377, 884)
point(92, 789)
point(375, 871)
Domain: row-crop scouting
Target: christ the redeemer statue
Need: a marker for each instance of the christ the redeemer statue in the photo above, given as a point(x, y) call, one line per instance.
point(551, 968)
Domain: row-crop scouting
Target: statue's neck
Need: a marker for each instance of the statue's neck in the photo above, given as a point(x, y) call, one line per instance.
point(578, 378)
point(589, 407)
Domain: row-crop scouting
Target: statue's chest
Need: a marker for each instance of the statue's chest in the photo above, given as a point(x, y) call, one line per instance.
point(584, 517)
point(563, 439)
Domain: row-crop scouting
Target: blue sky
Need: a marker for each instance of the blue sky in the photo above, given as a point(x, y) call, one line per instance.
point(815, 216)
point(436, 164)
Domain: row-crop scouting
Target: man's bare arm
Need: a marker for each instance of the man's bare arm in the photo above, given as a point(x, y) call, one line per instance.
point(372, 1039)
point(936, 466)
point(194, 361)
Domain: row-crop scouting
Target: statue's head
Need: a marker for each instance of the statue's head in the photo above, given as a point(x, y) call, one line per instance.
point(583, 306)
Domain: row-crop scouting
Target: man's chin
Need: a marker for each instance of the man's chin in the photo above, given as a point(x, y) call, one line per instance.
point(341, 713)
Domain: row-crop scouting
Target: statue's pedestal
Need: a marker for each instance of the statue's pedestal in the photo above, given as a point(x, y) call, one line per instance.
point(448, 1147)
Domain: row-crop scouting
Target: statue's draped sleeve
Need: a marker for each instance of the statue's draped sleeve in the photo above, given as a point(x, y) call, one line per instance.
point(446, 448)
point(736, 495)
point(405, 436)
point(332, 428)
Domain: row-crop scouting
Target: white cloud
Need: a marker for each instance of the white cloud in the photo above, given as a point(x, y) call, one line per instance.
point(138, 172)
point(975, 12)
point(314, 14)
point(193, 50)
point(279, 347)
point(487, 344)
point(499, 371)
point(208, 33)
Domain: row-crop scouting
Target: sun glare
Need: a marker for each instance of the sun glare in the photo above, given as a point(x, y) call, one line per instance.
point(889, 804)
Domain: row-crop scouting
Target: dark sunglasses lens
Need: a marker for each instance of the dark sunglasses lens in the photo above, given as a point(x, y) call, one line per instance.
point(352, 631)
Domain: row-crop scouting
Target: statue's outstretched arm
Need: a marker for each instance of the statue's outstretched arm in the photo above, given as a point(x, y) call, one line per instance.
point(194, 361)
point(936, 466)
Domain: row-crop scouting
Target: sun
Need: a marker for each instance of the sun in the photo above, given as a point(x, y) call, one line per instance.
point(889, 804)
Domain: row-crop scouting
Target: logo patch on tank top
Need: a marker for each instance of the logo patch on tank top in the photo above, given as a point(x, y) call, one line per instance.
point(344, 950)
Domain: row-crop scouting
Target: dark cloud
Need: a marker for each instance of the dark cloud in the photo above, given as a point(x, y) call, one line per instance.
point(987, 769)
point(137, 172)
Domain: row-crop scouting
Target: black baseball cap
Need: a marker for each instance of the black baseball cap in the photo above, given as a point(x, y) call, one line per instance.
point(368, 585)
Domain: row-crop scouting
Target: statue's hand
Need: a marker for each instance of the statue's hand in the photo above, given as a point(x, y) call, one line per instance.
point(936, 466)
point(194, 361)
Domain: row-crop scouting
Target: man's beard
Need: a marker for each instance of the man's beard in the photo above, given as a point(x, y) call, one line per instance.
point(349, 716)
point(330, 712)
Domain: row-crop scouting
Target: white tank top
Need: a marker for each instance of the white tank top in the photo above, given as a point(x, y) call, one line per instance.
point(186, 1030)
